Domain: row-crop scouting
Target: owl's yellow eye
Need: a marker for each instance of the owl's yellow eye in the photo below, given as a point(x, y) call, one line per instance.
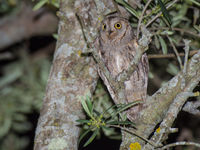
point(104, 26)
point(118, 25)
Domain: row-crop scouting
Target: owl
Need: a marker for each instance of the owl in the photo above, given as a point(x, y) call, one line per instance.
point(116, 45)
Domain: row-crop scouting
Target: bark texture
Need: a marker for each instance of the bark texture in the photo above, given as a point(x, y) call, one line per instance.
point(164, 105)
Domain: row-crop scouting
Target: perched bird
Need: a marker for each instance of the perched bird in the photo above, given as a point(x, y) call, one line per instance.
point(116, 45)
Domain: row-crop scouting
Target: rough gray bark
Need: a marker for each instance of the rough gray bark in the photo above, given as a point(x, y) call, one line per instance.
point(73, 76)
point(164, 106)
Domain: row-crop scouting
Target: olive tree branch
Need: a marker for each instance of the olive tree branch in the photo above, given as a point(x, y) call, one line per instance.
point(179, 144)
point(141, 17)
point(158, 103)
point(135, 133)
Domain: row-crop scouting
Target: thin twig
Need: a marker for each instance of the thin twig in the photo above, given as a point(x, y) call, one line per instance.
point(186, 48)
point(180, 143)
point(158, 15)
point(192, 107)
point(177, 29)
point(127, 130)
point(176, 52)
point(141, 17)
point(156, 56)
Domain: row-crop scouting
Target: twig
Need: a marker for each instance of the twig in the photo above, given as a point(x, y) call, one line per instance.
point(192, 107)
point(156, 56)
point(158, 15)
point(18, 26)
point(141, 17)
point(177, 104)
point(180, 143)
point(6, 56)
point(177, 29)
point(186, 48)
point(176, 52)
point(127, 130)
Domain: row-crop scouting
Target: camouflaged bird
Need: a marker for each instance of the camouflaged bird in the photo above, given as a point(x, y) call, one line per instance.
point(116, 45)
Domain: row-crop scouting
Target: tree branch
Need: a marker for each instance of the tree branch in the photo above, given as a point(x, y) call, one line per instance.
point(19, 27)
point(158, 104)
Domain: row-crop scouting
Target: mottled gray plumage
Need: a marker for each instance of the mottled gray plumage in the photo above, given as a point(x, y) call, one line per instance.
point(116, 45)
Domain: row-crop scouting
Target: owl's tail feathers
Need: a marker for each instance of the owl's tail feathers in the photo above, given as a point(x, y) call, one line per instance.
point(133, 112)
point(137, 95)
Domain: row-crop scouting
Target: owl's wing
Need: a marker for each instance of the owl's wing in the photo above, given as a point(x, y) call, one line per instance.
point(104, 57)
point(136, 87)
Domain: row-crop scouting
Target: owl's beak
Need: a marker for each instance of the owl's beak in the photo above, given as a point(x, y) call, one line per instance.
point(110, 32)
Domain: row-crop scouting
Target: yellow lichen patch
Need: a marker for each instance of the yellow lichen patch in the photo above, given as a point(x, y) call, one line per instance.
point(79, 53)
point(100, 18)
point(158, 130)
point(135, 146)
point(197, 93)
point(56, 124)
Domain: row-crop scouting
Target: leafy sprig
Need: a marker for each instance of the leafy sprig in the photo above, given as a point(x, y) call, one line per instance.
point(96, 120)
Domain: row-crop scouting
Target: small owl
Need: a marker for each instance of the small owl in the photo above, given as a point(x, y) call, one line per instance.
point(116, 46)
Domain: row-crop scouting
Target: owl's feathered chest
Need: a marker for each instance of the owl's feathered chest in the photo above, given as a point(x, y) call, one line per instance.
point(117, 59)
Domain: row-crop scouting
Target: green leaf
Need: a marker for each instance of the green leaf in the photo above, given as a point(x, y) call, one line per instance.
point(89, 104)
point(91, 138)
point(55, 36)
point(110, 108)
point(172, 69)
point(167, 32)
point(195, 2)
point(55, 3)
point(156, 41)
point(128, 7)
point(10, 77)
point(97, 113)
point(163, 45)
point(197, 28)
point(124, 107)
point(85, 107)
point(120, 123)
point(82, 121)
point(5, 126)
point(83, 135)
point(164, 11)
point(21, 127)
point(39, 4)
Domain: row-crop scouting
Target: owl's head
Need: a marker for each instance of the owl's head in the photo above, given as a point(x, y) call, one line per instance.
point(115, 30)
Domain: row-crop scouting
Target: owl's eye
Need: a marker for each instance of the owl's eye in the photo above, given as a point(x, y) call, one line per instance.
point(118, 25)
point(104, 26)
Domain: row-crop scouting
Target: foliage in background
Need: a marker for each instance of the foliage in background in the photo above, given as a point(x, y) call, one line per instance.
point(7, 5)
point(22, 87)
point(41, 3)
